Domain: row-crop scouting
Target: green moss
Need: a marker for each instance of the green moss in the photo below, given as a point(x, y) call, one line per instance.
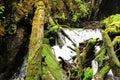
point(77, 73)
point(54, 29)
point(110, 49)
point(104, 70)
point(90, 45)
point(2, 9)
point(111, 24)
point(75, 17)
point(51, 21)
point(53, 1)
point(51, 33)
point(34, 67)
point(33, 40)
point(51, 67)
point(100, 56)
point(84, 10)
point(78, 1)
point(81, 10)
point(63, 16)
point(116, 40)
point(79, 58)
point(45, 41)
point(88, 73)
point(82, 7)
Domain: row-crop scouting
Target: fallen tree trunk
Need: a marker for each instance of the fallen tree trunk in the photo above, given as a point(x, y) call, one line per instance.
point(36, 39)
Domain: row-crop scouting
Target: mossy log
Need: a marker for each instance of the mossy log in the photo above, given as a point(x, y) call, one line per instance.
point(50, 66)
point(110, 49)
point(36, 39)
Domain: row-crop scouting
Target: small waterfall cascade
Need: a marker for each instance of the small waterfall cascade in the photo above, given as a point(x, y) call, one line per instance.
point(23, 69)
point(76, 36)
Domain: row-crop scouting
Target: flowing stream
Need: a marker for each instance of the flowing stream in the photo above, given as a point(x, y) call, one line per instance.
point(75, 36)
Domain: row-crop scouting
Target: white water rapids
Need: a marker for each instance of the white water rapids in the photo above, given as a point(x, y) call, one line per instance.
point(76, 36)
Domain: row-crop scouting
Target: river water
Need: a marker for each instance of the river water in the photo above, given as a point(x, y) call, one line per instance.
point(76, 36)
point(73, 38)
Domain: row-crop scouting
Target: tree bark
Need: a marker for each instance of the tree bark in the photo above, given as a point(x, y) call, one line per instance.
point(36, 39)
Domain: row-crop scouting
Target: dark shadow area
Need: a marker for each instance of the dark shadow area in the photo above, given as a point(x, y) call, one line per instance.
point(107, 8)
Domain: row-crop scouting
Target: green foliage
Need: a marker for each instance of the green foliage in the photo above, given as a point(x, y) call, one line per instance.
point(63, 16)
point(74, 18)
point(51, 33)
point(82, 7)
point(2, 9)
point(90, 45)
point(100, 56)
point(78, 1)
point(111, 21)
point(54, 29)
point(88, 73)
point(104, 70)
point(53, 1)
point(116, 40)
point(111, 24)
point(46, 41)
point(84, 10)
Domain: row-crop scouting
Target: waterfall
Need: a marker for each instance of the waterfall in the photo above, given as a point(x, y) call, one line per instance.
point(23, 69)
point(76, 36)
